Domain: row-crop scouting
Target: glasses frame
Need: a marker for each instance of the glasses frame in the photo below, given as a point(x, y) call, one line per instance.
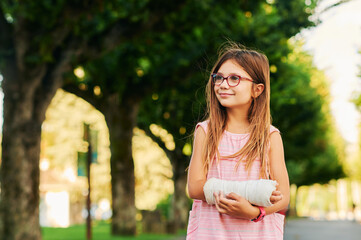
point(213, 75)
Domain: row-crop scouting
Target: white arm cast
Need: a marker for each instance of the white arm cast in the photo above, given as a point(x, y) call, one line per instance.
point(257, 192)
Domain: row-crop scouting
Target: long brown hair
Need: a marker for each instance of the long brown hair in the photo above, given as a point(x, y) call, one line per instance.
point(257, 66)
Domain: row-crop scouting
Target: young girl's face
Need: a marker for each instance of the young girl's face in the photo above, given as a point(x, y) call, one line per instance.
point(238, 96)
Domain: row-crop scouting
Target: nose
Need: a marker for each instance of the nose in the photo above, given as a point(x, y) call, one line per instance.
point(224, 84)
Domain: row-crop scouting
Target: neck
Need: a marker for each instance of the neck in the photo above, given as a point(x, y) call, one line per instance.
point(237, 120)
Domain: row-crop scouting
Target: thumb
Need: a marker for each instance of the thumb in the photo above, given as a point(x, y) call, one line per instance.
point(233, 196)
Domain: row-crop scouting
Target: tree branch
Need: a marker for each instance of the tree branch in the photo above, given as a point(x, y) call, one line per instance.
point(335, 5)
point(54, 77)
point(109, 39)
point(123, 29)
point(70, 16)
point(26, 30)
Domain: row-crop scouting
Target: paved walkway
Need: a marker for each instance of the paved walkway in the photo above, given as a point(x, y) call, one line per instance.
point(305, 229)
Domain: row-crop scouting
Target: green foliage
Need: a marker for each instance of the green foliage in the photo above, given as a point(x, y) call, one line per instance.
point(255, 25)
point(167, 68)
point(53, 24)
point(355, 165)
point(300, 108)
point(166, 65)
point(101, 231)
point(297, 107)
point(165, 206)
point(357, 101)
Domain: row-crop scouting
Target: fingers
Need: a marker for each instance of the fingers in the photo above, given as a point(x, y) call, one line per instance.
point(276, 196)
point(219, 206)
point(226, 201)
point(233, 196)
point(227, 204)
point(220, 210)
point(273, 200)
point(217, 196)
point(276, 193)
point(222, 201)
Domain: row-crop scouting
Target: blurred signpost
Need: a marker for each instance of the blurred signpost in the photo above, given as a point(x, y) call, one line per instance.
point(84, 162)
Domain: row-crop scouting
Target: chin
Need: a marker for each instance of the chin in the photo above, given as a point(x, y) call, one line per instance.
point(225, 104)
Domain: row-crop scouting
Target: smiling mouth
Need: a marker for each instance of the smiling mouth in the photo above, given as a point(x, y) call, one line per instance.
point(225, 94)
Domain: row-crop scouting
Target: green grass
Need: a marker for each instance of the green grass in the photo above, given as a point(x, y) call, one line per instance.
point(100, 230)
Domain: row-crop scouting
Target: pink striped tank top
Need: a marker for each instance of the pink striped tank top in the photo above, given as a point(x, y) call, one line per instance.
point(205, 222)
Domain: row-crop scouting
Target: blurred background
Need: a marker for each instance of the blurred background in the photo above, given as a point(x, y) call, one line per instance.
point(119, 86)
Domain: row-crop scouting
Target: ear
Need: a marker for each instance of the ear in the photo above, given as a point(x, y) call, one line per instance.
point(258, 89)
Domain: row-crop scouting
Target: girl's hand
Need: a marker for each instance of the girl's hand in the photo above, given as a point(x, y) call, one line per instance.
point(235, 205)
point(276, 196)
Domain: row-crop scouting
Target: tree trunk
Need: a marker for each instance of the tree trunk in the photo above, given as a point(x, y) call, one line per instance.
point(20, 176)
point(180, 206)
point(121, 119)
point(24, 113)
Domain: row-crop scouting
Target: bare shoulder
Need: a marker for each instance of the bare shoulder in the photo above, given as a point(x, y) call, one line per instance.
point(276, 151)
point(199, 134)
point(275, 134)
point(275, 140)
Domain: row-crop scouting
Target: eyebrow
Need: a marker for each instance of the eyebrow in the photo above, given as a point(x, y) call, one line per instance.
point(233, 74)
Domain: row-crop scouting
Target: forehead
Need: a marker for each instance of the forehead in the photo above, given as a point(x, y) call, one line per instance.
point(232, 67)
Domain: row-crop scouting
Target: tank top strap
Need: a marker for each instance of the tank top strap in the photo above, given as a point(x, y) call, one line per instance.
point(273, 129)
point(218, 167)
point(203, 125)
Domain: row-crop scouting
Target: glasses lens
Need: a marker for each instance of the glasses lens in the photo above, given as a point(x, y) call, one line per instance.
point(233, 80)
point(218, 79)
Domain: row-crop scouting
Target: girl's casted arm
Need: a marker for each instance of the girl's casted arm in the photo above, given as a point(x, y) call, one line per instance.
point(197, 175)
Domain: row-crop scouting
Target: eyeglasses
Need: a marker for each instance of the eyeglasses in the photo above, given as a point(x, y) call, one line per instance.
point(232, 80)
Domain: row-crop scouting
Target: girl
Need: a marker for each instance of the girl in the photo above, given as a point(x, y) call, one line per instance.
point(237, 142)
